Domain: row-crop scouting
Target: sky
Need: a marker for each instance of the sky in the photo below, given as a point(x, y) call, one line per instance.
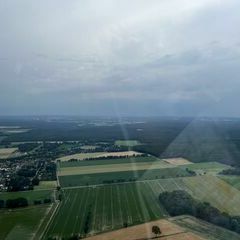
point(120, 57)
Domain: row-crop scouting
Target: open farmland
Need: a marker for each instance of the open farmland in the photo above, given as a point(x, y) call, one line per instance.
point(82, 156)
point(7, 152)
point(21, 223)
point(126, 176)
point(110, 207)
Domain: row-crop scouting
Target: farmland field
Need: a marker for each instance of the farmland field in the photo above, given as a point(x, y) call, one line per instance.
point(82, 156)
point(170, 230)
point(209, 167)
point(110, 207)
point(7, 152)
point(177, 161)
point(88, 147)
point(205, 229)
point(110, 161)
point(127, 143)
point(31, 196)
point(127, 176)
point(112, 168)
point(107, 207)
point(232, 180)
point(43, 185)
point(21, 223)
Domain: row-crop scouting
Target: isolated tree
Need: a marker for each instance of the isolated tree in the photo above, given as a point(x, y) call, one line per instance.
point(156, 230)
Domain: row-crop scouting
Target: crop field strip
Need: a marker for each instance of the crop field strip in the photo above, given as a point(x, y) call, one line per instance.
point(138, 159)
point(124, 176)
point(205, 229)
point(112, 168)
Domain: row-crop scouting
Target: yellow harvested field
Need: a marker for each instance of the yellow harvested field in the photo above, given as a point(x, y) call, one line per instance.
point(112, 168)
point(170, 231)
point(83, 156)
point(6, 152)
point(88, 147)
point(177, 161)
point(182, 236)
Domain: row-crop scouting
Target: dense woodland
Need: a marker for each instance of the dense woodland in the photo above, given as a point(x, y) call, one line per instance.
point(198, 140)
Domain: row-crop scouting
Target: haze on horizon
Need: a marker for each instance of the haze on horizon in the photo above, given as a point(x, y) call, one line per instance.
point(112, 57)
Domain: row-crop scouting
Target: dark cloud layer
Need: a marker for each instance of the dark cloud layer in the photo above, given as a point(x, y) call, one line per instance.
point(118, 57)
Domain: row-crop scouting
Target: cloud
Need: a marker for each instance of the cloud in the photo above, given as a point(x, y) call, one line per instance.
point(91, 54)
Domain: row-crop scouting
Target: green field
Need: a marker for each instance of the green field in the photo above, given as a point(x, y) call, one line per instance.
point(127, 176)
point(22, 223)
point(43, 185)
point(205, 229)
point(127, 143)
point(106, 168)
point(31, 196)
point(232, 180)
point(109, 161)
point(209, 167)
point(109, 207)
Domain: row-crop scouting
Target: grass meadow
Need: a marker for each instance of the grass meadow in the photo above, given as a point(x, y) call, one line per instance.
point(21, 223)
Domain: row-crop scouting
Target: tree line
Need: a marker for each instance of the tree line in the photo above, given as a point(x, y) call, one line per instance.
point(181, 203)
point(21, 202)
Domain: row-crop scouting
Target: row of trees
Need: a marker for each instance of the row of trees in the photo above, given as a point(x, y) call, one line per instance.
point(231, 171)
point(14, 203)
point(21, 202)
point(180, 203)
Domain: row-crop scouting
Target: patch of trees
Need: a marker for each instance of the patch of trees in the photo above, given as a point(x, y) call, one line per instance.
point(86, 227)
point(1, 203)
point(45, 201)
point(156, 230)
point(35, 181)
point(18, 183)
point(49, 173)
point(27, 171)
point(16, 203)
point(181, 203)
point(119, 180)
point(231, 171)
point(191, 172)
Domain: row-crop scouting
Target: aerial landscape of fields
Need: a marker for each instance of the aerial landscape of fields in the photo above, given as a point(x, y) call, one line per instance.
point(95, 191)
point(119, 120)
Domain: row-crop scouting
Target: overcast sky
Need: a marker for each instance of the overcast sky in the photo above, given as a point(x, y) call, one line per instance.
point(120, 57)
